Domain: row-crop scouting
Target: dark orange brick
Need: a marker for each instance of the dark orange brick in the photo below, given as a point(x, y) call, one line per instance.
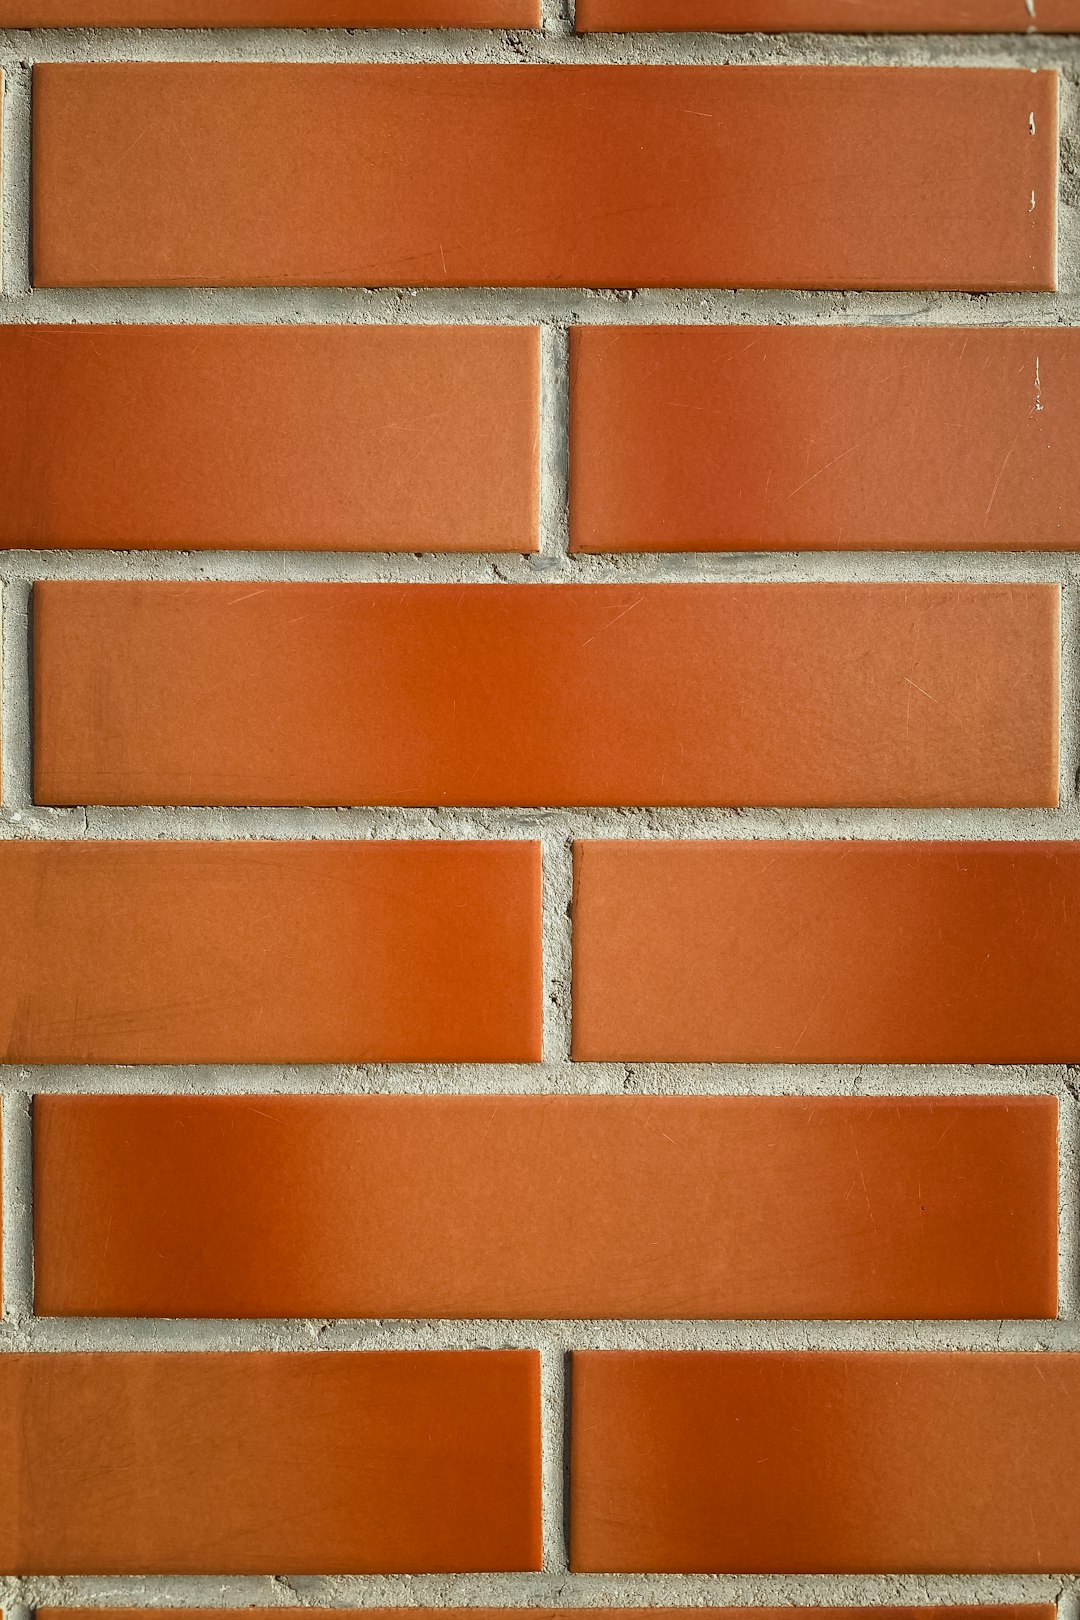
point(269, 13)
point(545, 1206)
point(269, 952)
point(824, 1463)
point(824, 438)
point(270, 1463)
point(277, 174)
point(835, 16)
point(827, 952)
point(445, 694)
point(349, 438)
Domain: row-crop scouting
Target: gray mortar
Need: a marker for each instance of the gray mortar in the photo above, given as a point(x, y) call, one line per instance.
point(554, 311)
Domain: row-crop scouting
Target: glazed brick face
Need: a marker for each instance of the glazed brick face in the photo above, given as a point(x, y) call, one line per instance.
point(545, 1206)
point(824, 438)
point(269, 14)
point(269, 952)
point(664, 694)
point(826, 1463)
point(826, 952)
point(377, 175)
point(375, 438)
point(248, 1464)
point(835, 16)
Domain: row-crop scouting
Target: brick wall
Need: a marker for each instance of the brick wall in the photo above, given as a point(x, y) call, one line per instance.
point(539, 841)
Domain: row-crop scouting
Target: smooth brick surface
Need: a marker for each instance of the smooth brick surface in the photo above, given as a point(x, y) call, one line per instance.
point(827, 952)
point(824, 1463)
point(545, 1207)
point(573, 694)
point(274, 1464)
point(269, 13)
point(213, 173)
point(824, 438)
point(835, 16)
point(269, 952)
point(364, 438)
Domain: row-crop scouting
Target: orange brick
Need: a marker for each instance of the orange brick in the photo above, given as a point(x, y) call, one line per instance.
point(664, 694)
point(225, 174)
point(824, 438)
point(824, 1463)
point(835, 16)
point(545, 1206)
point(269, 952)
point(827, 952)
point(270, 1463)
point(270, 13)
point(371, 438)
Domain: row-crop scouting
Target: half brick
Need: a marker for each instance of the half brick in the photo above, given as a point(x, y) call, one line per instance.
point(845, 694)
point(824, 438)
point(269, 952)
point(827, 952)
point(834, 16)
point(347, 438)
point(236, 1464)
point(270, 14)
point(824, 1463)
point(185, 174)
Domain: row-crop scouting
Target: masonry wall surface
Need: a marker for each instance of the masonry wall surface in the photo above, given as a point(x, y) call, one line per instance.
point(555, 311)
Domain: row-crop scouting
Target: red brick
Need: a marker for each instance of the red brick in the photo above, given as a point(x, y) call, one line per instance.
point(355, 438)
point(664, 694)
point(271, 174)
point(269, 1463)
point(269, 13)
point(545, 1206)
point(269, 952)
point(835, 16)
point(824, 438)
point(827, 952)
point(824, 1463)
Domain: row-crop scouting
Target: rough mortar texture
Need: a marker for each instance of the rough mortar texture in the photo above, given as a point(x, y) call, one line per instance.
point(555, 311)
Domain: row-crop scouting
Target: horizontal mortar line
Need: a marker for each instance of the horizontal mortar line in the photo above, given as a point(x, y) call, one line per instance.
point(563, 1078)
point(536, 568)
point(545, 1590)
point(98, 823)
point(522, 47)
point(583, 306)
point(330, 1335)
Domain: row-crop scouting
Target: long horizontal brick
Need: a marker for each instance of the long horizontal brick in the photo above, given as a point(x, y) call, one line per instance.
point(666, 694)
point(226, 174)
point(824, 438)
point(545, 1207)
point(310, 1463)
point(269, 13)
point(827, 952)
point(835, 16)
point(370, 438)
point(269, 952)
point(824, 1463)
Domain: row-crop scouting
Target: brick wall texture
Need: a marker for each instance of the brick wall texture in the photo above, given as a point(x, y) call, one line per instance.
point(540, 809)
